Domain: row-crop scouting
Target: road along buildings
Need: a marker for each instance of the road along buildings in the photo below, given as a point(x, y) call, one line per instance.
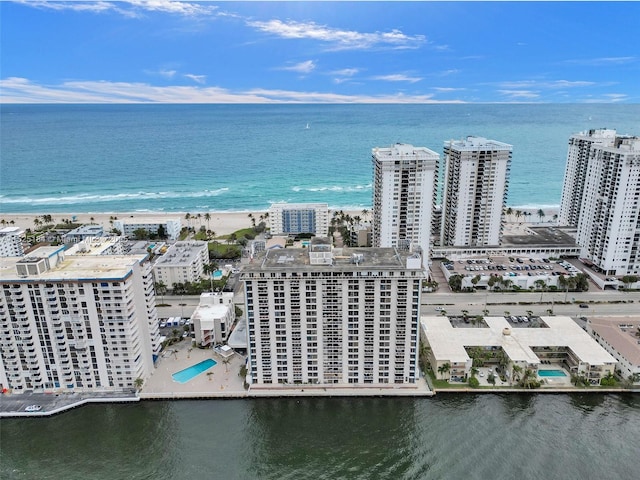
point(404, 192)
point(476, 178)
point(557, 342)
point(76, 322)
point(333, 317)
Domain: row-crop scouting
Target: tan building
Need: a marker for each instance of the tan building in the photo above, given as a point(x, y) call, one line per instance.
point(620, 336)
point(213, 318)
point(560, 342)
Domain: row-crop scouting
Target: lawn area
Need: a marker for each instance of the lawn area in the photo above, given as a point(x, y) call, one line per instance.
point(220, 250)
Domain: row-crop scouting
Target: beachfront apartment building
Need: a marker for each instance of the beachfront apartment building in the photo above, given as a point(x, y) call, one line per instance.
point(404, 194)
point(608, 229)
point(476, 179)
point(11, 242)
point(335, 317)
point(76, 323)
point(182, 262)
point(620, 336)
point(213, 318)
point(295, 218)
point(575, 175)
point(98, 246)
point(127, 226)
point(83, 232)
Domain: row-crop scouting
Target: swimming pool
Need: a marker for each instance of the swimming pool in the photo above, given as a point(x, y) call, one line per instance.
point(551, 373)
point(183, 376)
point(217, 275)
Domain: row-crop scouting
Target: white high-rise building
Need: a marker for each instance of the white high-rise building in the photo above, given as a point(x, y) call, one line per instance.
point(404, 193)
point(334, 317)
point(608, 230)
point(575, 175)
point(11, 242)
point(76, 323)
point(293, 218)
point(476, 178)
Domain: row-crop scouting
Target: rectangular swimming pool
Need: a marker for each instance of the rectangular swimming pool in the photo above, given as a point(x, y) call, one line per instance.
point(183, 376)
point(551, 373)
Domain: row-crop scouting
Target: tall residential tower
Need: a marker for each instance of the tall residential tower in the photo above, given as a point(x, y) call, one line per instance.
point(404, 193)
point(476, 177)
point(575, 175)
point(333, 317)
point(76, 323)
point(608, 227)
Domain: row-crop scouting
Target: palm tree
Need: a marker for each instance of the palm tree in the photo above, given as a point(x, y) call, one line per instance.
point(187, 217)
point(37, 222)
point(365, 214)
point(253, 220)
point(517, 370)
point(555, 218)
point(518, 214)
point(444, 368)
point(542, 286)
point(509, 211)
point(207, 218)
point(138, 382)
point(226, 362)
point(161, 289)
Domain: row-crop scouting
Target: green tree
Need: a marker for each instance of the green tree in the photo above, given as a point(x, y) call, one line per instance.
point(138, 382)
point(226, 362)
point(444, 369)
point(541, 214)
point(474, 382)
point(140, 234)
point(161, 289)
point(455, 283)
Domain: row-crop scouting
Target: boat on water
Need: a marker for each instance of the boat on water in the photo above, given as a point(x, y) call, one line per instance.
point(307, 127)
point(33, 408)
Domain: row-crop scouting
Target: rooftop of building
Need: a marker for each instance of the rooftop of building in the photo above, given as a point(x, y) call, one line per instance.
point(91, 229)
point(11, 231)
point(448, 343)
point(472, 143)
point(136, 220)
point(402, 149)
point(93, 246)
point(299, 206)
point(342, 258)
point(538, 236)
point(72, 267)
point(181, 253)
point(621, 334)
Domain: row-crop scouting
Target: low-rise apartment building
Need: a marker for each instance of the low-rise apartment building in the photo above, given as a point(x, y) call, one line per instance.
point(213, 318)
point(182, 262)
point(620, 336)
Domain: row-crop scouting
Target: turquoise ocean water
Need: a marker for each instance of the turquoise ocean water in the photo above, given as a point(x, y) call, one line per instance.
point(191, 158)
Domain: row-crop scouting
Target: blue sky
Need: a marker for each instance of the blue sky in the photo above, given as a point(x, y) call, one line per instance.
point(319, 52)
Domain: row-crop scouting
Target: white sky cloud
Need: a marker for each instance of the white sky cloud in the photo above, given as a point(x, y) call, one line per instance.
point(519, 94)
point(302, 67)
point(340, 39)
point(397, 77)
point(602, 61)
point(130, 8)
point(546, 84)
point(196, 78)
point(22, 90)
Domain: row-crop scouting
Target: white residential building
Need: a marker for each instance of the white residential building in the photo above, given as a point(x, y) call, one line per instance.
point(608, 230)
point(98, 246)
point(213, 318)
point(82, 232)
point(334, 317)
point(11, 242)
point(293, 218)
point(575, 175)
point(476, 177)
point(129, 225)
point(404, 193)
point(76, 323)
point(182, 262)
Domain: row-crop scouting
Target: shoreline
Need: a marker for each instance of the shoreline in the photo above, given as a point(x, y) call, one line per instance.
point(221, 222)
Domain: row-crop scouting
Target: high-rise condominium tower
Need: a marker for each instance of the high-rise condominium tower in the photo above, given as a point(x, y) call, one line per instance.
point(404, 192)
point(476, 178)
point(575, 175)
point(334, 317)
point(76, 323)
point(608, 229)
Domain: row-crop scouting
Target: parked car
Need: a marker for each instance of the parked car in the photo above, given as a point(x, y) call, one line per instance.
point(584, 305)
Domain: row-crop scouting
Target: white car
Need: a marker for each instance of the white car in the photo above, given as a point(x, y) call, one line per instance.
point(482, 374)
point(33, 408)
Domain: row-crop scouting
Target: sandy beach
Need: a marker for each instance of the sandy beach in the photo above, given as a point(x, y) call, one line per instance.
point(221, 223)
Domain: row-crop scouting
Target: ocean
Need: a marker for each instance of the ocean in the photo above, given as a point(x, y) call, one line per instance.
point(197, 158)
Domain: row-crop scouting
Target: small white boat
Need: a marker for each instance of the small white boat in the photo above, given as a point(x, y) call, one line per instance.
point(33, 408)
point(307, 127)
